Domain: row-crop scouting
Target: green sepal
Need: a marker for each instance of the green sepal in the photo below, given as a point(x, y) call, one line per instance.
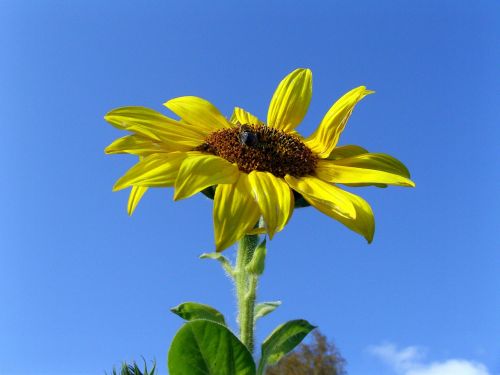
point(264, 308)
point(193, 310)
point(203, 347)
point(226, 265)
point(257, 263)
point(299, 201)
point(209, 192)
point(282, 341)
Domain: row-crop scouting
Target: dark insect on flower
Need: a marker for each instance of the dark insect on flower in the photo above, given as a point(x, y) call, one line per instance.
point(247, 137)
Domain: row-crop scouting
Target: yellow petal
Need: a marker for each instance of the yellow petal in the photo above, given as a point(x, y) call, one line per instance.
point(346, 152)
point(290, 101)
point(324, 194)
point(331, 171)
point(198, 112)
point(200, 171)
point(326, 136)
point(275, 200)
point(135, 196)
point(151, 124)
point(240, 116)
point(349, 209)
point(154, 170)
point(378, 161)
point(137, 145)
point(235, 212)
point(364, 223)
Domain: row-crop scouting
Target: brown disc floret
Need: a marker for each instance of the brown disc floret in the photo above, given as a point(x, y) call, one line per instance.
point(261, 148)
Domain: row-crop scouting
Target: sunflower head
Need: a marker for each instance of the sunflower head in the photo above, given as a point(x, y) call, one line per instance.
point(255, 169)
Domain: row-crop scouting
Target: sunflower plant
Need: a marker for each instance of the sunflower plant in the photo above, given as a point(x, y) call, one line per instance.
point(257, 172)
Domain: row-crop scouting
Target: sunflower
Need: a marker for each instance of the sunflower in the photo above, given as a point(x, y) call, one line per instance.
point(256, 170)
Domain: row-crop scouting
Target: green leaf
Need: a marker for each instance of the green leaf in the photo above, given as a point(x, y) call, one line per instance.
point(221, 259)
point(202, 347)
point(134, 369)
point(193, 310)
point(264, 308)
point(257, 263)
point(283, 340)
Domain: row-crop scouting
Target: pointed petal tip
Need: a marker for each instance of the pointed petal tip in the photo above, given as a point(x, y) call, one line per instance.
point(109, 150)
point(369, 235)
point(171, 101)
point(220, 245)
point(407, 183)
point(118, 186)
point(223, 244)
point(177, 196)
point(219, 248)
point(111, 116)
point(304, 70)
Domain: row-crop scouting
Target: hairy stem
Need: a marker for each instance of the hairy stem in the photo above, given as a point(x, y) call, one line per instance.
point(246, 286)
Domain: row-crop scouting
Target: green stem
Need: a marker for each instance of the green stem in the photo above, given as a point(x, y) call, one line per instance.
point(246, 286)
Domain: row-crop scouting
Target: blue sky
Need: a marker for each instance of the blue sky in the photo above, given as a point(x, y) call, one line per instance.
point(83, 286)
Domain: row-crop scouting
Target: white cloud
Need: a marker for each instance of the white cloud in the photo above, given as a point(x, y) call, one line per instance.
point(401, 360)
point(410, 361)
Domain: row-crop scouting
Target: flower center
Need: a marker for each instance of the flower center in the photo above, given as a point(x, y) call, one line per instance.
point(261, 148)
